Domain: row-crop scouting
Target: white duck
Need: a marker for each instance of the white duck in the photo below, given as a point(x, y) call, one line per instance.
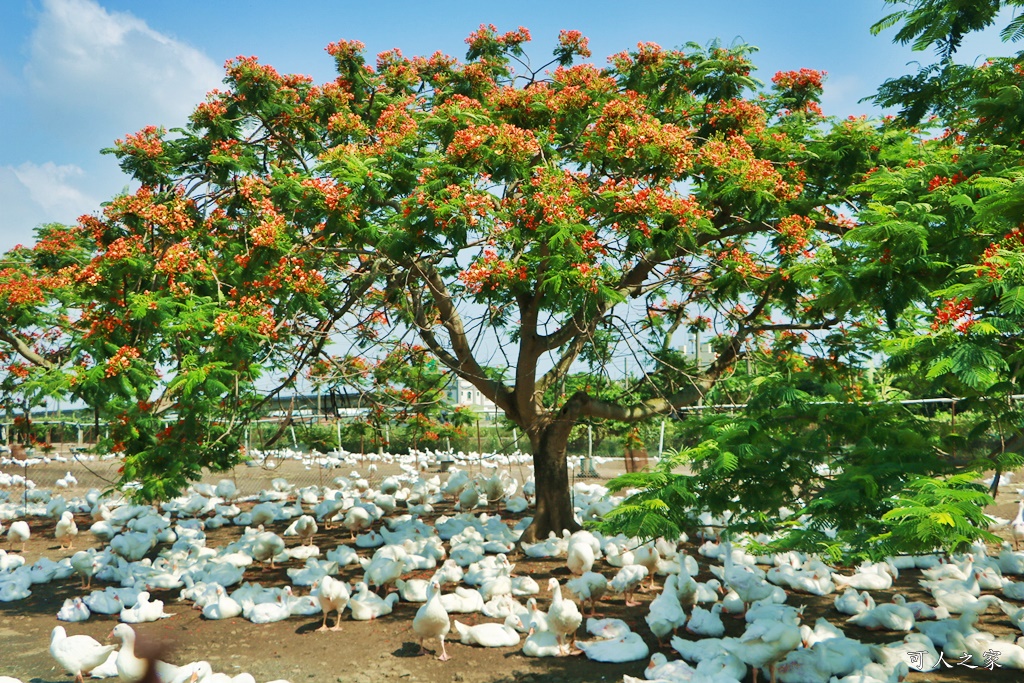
point(1017, 525)
point(870, 577)
point(590, 587)
point(224, 607)
point(357, 519)
point(364, 605)
point(851, 602)
point(104, 602)
point(332, 595)
point(628, 648)
point(413, 590)
point(627, 581)
point(19, 532)
point(888, 616)
point(563, 615)
point(764, 643)
point(665, 614)
point(536, 618)
point(745, 581)
point(463, 601)
point(607, 628)
point(66, 529)
point(266, 546)
point(130, 667)
point(580, 557)
point(74, 609)
point(85, 564)
point(304, 527)
point(79, 654)
point(144, 610)
point(270, 612)
point(431, 620)
point(706, 623)
point(921, 610)
point(491, 635)
point(957, 602)
point(542, 644)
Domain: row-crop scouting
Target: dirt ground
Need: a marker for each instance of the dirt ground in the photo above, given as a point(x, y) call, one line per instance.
point(383, 649)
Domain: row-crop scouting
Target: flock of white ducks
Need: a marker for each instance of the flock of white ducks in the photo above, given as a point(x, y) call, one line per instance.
point(466, 558)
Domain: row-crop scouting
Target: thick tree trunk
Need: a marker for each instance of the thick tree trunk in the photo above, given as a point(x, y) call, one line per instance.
point(554, 510)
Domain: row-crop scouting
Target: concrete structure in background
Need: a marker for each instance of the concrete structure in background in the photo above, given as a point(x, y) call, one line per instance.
point(461, 392)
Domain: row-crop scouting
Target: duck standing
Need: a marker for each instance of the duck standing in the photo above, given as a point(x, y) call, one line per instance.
point(431, 620)
point(563, 615)
point(66, 529)
point(332, 595)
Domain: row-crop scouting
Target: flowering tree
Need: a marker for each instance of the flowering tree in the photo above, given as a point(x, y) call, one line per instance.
point(534, 218)
point(959, 201)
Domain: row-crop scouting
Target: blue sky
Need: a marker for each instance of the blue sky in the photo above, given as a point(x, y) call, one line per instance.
point(77, 74)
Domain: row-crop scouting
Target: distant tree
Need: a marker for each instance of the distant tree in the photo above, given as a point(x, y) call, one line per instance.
point(404, 389)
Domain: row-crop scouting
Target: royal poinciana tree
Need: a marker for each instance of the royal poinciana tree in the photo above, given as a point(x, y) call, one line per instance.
point(960, 202)
point(534, 218)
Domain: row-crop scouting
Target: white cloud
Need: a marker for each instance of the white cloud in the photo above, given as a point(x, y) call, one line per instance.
point(49, 186)
point(33, 194)
point(94, 69)
point(90, 77)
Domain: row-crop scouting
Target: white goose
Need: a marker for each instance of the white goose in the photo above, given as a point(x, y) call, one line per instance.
point(144, 610)
point(74, 609)
point(19, 532)
point(79, 654)
point(764, 643)
point(745, 581)
point(627, 648)
point(364, 605)
point(665, 614)
point(563, 615)
point(332, 595)
point(270, 612)
point(707, 623)
point(491, 635)
point(431, 620)
point(223, 607)
point(66, 529)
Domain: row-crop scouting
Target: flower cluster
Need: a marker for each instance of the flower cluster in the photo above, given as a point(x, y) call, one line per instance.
point(501, 140)
point(574, 42)
point(626, 131)
point(490, 272)
point(742, 261)
point(941, 181)
point(395, 125)
point(733, 159)
point(793, 230)
point(147, 142)
point(331, 192)
point(804, 79)
point(179, 258)
point(345, 49)
point(737, 115)
point(121, 360)
point(956, 312)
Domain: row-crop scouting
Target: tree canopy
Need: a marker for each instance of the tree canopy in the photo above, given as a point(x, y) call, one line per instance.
point(521, 224)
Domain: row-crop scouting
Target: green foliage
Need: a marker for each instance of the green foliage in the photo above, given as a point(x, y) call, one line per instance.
point(318, 437)
point(939, 513)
